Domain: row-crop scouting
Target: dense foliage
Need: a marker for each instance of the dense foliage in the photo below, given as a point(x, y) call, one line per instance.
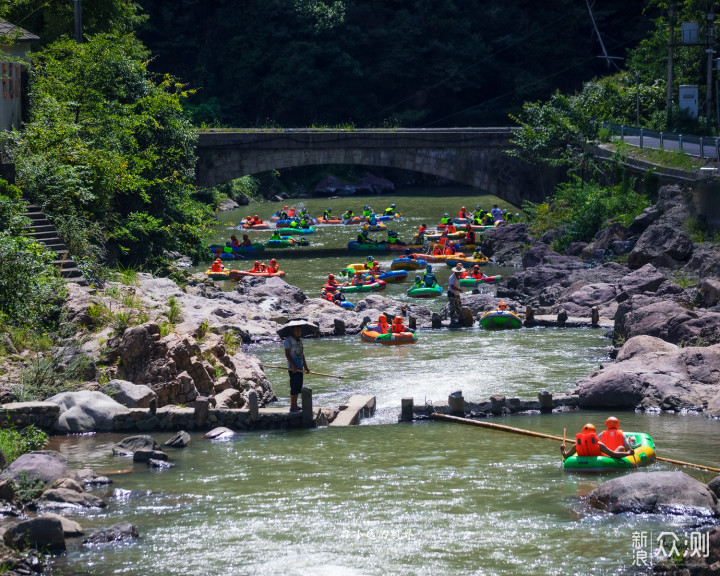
point(29, 286)
point(396, 62)
point(108, 153)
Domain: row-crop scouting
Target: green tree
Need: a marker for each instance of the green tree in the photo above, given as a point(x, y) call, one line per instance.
point(108, 152)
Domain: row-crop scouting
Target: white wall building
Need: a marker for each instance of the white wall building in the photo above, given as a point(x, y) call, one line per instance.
point(11, 73)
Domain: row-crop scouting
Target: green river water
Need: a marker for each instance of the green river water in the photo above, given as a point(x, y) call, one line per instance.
point(386, 498)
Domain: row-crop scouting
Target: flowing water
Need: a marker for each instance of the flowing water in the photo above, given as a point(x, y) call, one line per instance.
point(384, 498)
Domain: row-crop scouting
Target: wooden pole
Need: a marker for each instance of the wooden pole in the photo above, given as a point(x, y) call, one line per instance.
point(313, 373)
point(501, 428)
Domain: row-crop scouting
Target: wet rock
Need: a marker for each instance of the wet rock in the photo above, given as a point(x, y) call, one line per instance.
point(180, 440)
point(39, 533)
point(70, 528)
point(129, 394)
point(65, 498)
point(131, 444)
point(116, 533)
point(656, 493)
point(36, 466)
point(652, 374)
point(86, 411)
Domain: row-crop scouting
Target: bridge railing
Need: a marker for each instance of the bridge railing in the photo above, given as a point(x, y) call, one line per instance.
point(700, 146)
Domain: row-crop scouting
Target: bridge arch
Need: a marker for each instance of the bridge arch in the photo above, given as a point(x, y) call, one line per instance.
point(473, 157)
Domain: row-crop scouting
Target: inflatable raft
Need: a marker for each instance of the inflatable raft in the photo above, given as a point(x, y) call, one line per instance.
point(425, 292)
point(407, 264)
point(292, 231)
point(644, 455)
point(237, 274)
point(373, 286)
point(393, 339)
point(222, 275)
point(500, 320)
point(472, 282)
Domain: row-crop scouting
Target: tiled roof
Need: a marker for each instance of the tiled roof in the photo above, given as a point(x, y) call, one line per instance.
point(25, 36)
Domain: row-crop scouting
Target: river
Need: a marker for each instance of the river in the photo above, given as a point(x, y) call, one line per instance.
point(386, 498)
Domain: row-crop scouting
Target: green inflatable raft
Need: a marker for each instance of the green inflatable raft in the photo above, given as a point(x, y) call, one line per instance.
point(644, 455)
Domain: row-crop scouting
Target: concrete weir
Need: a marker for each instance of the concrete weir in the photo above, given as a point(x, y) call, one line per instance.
point(357, 408)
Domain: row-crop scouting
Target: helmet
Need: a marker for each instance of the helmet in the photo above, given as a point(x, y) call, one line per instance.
point(588, 427)
point(612, 423)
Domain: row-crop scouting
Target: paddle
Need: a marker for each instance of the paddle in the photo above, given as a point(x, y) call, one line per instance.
point(313, 373)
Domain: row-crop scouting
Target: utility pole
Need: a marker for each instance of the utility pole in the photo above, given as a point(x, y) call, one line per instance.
point(78, 20)
point(710, 53)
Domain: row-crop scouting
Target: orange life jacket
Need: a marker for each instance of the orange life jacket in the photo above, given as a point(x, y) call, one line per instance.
point(588, 444)
point(613, 439)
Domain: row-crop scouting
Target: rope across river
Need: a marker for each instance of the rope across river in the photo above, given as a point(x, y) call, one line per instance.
point(501, 428)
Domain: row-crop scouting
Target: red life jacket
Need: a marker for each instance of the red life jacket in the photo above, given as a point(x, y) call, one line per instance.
point(613, 439)
point(588, 444)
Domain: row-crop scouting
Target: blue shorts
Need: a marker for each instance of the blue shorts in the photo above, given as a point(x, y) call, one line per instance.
point(296, 382)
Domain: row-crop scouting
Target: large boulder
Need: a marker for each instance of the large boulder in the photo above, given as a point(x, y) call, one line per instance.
point(664, 318)
point(86, 411)
point(43, 533)
point(656, 493)
point(654, 374)
point(662, 244)
point(129, 394)
point(44, 466)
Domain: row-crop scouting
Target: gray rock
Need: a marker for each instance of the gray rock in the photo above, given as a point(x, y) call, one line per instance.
point(180, 440)
point(129, 394)
point(714, 485)
point(145, 455)
point(116, 533)
point(656, 493)
point(71, 529)
point(37, 466)
point(39, 533)
point(127, 446)
point(86, 411)
point(65, 498)
point(661, 244)
point(658, 377)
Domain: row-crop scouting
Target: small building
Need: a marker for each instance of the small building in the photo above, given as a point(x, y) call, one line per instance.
point(11, 73)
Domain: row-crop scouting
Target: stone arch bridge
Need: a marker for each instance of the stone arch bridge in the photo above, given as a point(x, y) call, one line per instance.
point(470, 156)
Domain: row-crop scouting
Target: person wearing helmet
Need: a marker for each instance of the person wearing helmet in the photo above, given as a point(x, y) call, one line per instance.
point(382, 326)
point(445, 220)
point(397, 325)
point(327, 215)
point(273, 267)
point(363, 237)
point(587, 444)
point(429, 277)
point(613, 437)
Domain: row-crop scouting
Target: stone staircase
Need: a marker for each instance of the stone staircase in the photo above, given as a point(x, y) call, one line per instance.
point(42, 231)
